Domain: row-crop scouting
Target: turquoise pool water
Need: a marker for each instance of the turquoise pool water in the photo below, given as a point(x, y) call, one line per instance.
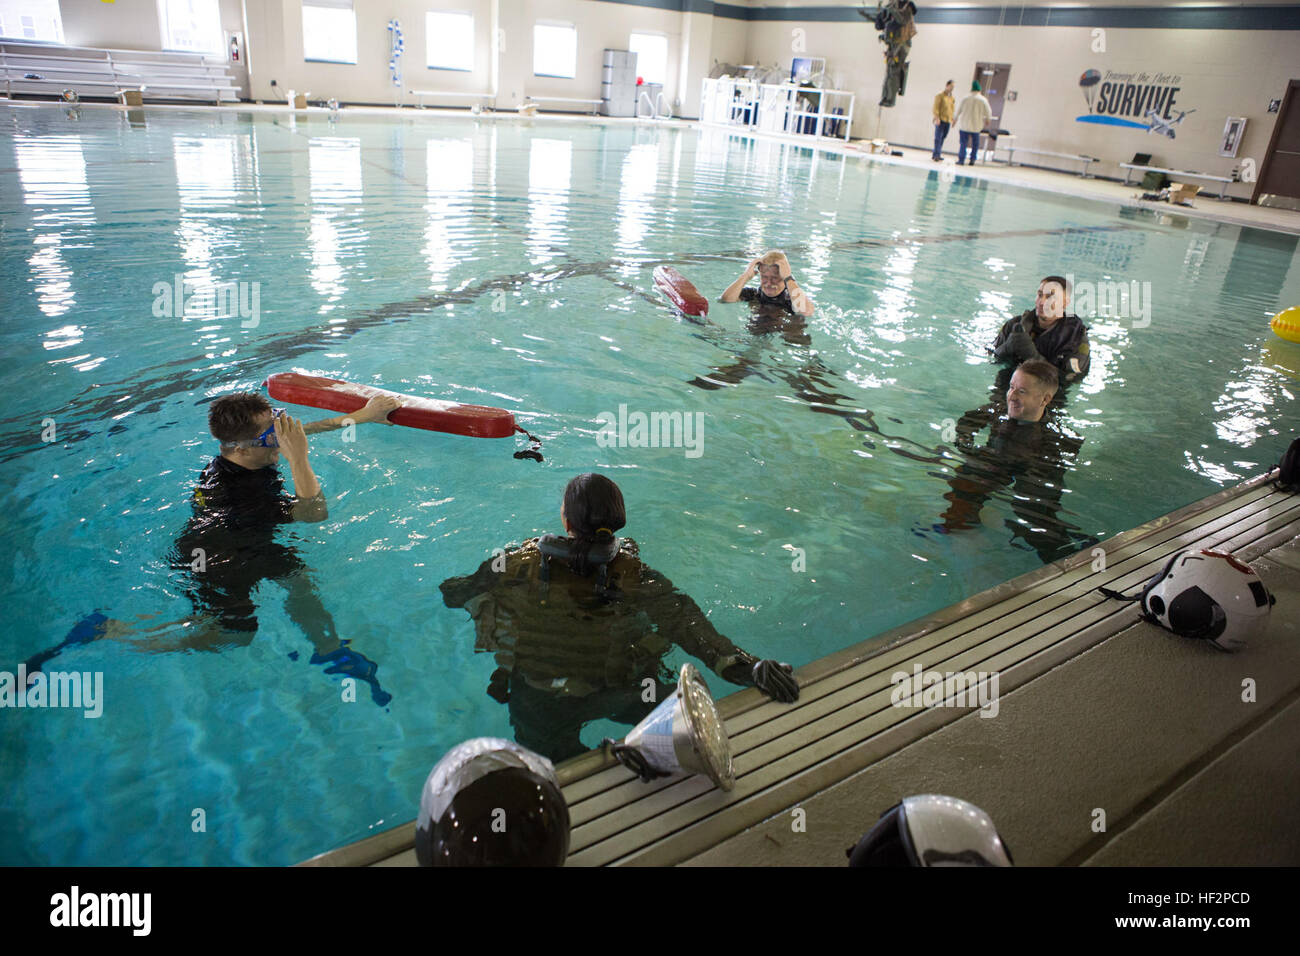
point(510, 264)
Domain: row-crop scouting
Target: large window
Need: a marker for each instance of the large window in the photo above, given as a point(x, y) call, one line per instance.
point(651, 51)
point(31, 20)
point(191, 25)
point(329, 31)
point(555, 50)
point(449, 40)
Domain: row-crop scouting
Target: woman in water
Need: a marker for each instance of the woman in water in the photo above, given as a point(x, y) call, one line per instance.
point(580, 627)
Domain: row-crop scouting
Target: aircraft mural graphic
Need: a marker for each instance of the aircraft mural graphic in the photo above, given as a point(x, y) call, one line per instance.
point(1140, 95)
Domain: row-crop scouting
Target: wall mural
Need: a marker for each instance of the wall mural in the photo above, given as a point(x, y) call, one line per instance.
point(1114, 97)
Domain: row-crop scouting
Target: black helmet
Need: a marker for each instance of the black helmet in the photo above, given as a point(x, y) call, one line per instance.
point(491, 802)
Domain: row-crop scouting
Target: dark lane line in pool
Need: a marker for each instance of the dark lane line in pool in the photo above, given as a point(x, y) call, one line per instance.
point(99, 400)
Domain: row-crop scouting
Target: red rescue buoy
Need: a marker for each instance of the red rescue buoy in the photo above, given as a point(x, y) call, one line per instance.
point(431, 414)
point(680, 292)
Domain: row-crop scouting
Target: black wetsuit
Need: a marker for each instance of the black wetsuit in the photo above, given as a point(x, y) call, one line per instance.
point(568, 654)
point(782, 301)
point(236, 511)
point(1033, 457)
point(1064, 345)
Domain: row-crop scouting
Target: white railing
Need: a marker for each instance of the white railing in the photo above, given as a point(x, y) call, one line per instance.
point(777, 107)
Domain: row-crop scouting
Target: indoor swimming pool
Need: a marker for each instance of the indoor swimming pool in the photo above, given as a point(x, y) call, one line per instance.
point(508, 263)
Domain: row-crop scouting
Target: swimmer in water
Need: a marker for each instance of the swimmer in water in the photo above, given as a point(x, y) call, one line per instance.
point(1025, 450)
point(776, 286)
point(777, 306)
point(580, 627)
point(1047, 332)
point(229, 545)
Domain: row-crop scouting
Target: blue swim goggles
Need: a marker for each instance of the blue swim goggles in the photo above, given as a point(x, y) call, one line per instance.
point(265, 440)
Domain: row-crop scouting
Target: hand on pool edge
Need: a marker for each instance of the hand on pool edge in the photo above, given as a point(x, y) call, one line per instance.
point(776, 680)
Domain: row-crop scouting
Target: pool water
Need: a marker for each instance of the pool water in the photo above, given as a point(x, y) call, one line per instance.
point(508, 263)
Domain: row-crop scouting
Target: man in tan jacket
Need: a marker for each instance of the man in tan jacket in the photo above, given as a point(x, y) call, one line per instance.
point(944, 107)
point(973, 115)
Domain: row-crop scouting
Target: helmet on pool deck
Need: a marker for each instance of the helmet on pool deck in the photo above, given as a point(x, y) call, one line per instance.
point(932, 830)
point(1207, 595)
point(491, 802)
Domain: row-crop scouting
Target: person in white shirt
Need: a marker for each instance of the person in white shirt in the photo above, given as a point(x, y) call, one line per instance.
point(973, 114)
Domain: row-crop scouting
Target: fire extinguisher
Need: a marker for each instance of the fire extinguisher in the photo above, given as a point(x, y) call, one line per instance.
point(234, 49)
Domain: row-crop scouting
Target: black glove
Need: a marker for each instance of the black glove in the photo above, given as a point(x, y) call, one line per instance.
point(1018, 346)
point(776, 680)
point(1022, 345)
point(499, 685)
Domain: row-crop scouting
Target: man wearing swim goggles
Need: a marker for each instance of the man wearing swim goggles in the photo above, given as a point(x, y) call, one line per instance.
point(239, 502)
point(776, 285)
point(233, 417)
point(265, 440)
point(229, 546)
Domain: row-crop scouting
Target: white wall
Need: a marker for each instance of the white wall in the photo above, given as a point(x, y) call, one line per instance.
point(1223, 73)
point(278, 25)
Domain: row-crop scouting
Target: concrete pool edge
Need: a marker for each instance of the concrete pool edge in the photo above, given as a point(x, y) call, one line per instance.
point(600, 791)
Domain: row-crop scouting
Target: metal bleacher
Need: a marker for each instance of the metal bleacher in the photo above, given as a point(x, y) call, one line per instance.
point(47, 69)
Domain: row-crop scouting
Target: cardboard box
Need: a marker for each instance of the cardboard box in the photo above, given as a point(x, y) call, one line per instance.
point(1182, 192)
point(132, 97)
point(300, 101)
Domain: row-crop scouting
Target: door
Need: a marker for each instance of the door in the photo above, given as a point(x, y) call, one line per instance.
point(993, 78)
point(1279, 179)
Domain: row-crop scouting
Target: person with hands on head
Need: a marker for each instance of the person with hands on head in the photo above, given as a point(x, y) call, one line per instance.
point(776, 285)
point(1047, 332)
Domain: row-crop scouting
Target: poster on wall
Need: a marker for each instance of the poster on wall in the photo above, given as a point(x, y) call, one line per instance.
point(1143, 101)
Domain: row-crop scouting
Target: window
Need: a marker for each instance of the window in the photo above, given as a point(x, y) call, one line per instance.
point(329, 31)
point(555, 50)
point(191, 25)
point(651, 51)
point(449, 40)
point(31, 20)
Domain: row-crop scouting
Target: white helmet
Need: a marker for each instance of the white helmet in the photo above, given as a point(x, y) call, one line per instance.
point(1209, 596)
point(931, 829)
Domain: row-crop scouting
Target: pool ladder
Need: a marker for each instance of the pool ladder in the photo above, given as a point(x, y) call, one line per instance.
point(659, 108)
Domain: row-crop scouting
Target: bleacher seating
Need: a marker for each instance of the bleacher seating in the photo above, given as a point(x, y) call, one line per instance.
point(47, 69)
